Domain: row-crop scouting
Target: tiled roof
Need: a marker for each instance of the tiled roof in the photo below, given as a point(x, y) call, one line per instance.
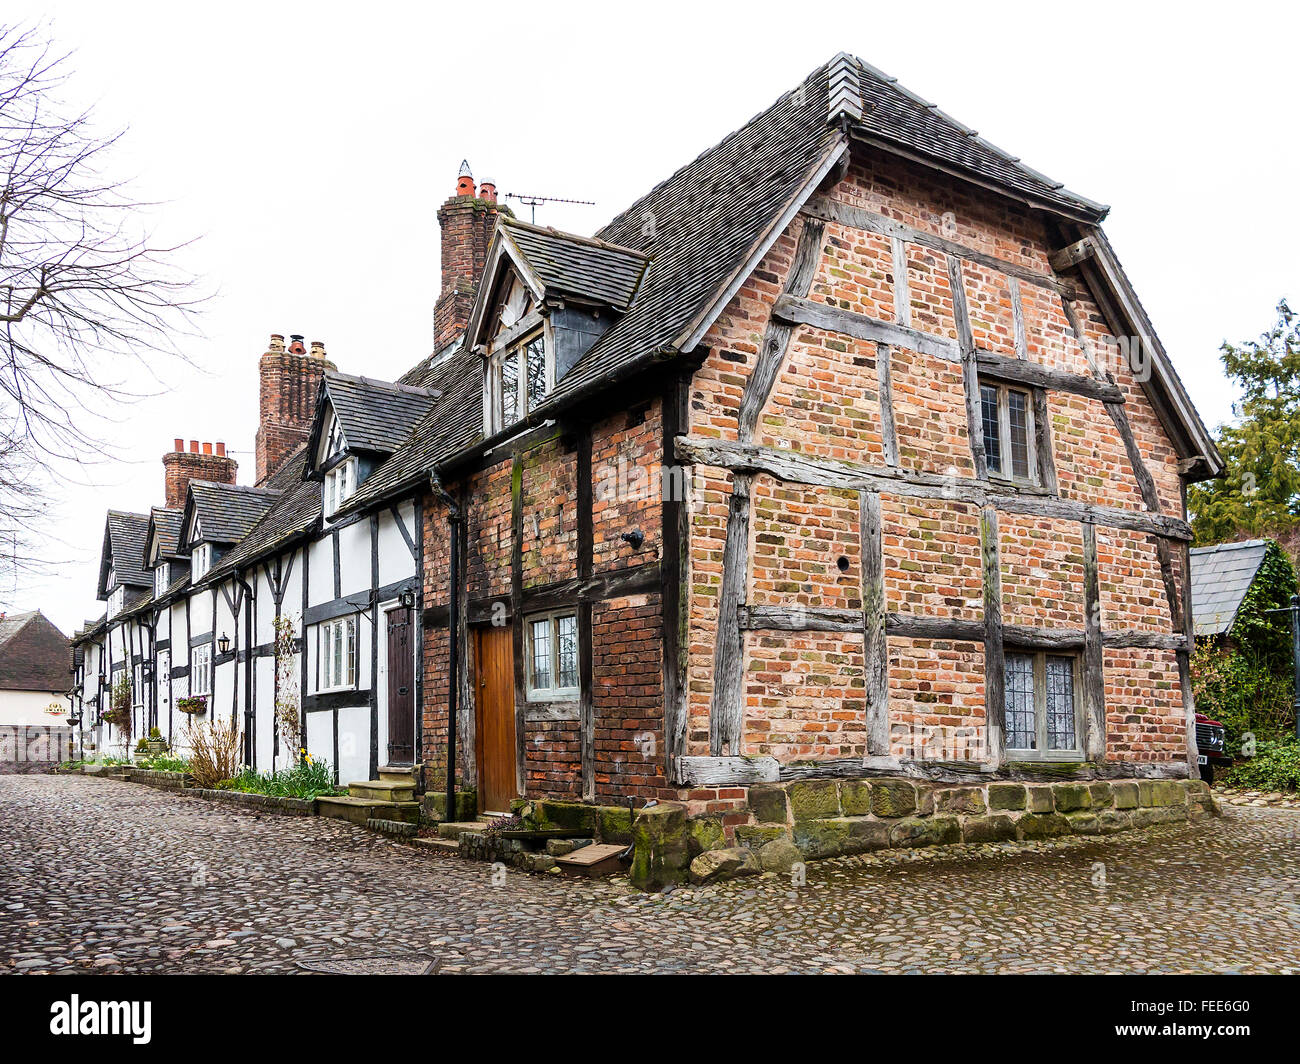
point(228, 512)
point(376, 415)
point(576, 266)
point(1221, 576)
point(295, 512)
point(455, 420)
point(34, 655)
point(167, 530)
point(124, 538)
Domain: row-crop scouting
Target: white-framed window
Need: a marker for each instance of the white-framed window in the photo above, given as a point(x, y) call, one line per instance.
point(338, 654)
point(340, 483)
point(201, 670)
point(1042, 706)
point(116, 600)
point(200, 560)
point(552, 652)
point(521, 377)
point(1007, 418)
point(137, 687)
point(162, 579)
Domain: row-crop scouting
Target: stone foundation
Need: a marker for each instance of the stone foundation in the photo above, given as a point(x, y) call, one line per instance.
point(833, 818)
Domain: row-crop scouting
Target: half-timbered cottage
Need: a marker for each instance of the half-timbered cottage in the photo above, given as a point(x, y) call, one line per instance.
point(848, 451)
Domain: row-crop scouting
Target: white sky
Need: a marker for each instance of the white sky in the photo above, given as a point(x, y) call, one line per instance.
point(309, 146)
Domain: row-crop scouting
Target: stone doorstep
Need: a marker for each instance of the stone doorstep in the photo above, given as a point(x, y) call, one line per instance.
point(399, 773)
point(383, 790)
point(448, 846)
point(452, 829)
point(359, 810)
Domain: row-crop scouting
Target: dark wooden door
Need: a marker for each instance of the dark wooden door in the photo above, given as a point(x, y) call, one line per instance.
point(495, 733)
point(401, 689)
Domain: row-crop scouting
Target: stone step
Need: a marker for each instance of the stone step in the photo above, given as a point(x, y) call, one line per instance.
point(436, 845)
point(452, 829)
point(359, 810)
point(383, 790)
point(399, 773)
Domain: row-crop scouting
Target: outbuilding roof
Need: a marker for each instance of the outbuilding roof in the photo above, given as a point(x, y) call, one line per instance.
point(34, 654)
point(1221, 576)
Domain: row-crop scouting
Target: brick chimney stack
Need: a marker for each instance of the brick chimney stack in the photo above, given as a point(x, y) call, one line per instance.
point(290, 378)
point(200, 462)
point(467, 222)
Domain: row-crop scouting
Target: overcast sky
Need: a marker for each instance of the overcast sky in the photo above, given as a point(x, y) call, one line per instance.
point(308, 146)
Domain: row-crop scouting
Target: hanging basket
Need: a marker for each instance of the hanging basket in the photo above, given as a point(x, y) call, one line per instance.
point(195, 707)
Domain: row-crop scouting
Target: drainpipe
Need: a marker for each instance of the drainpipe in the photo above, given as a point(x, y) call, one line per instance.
point(248, 666)
point(453, 636)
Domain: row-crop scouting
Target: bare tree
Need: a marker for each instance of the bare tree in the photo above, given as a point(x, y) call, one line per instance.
point(84, 294)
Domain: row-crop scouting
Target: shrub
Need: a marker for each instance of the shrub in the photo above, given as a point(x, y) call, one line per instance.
point(216, 752)
point(1275, 767)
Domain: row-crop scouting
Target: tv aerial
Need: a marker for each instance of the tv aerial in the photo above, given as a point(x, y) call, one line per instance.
point(533, 202)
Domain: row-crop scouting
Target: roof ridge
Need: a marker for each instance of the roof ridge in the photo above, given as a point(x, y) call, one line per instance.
point(249, 488)
point(564, 234)
point(396, 386)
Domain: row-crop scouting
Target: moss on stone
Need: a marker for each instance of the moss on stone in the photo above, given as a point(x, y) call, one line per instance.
point(755, 836)
point(615, 824)
point(938, 830)
point(855, 797)
point(1103, 794)
point(1071, 796)
point(814, 799)
point(661, 853)
point(1126, 794)
point(821, 838)
point(893, 798)
point(1042, 826)
point(1084, 822)
point(704, 833)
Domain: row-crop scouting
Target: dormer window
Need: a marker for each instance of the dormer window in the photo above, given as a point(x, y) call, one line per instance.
point(200, 561)
point(161, 579)
point(521, 378)
point(340, 484)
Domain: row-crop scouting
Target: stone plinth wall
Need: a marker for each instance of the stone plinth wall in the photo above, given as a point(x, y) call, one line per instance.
point(833, 818)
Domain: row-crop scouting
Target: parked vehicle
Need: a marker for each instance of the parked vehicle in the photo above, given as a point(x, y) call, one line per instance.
point(1211, 753)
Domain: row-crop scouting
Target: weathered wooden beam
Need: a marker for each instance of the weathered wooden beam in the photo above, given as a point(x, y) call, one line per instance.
point(875, 644)
point(802, 469)
point(995, 710)
point(861, 218)
point(1170, 580)
point(920, 626)
point(776, 337)
point(675, 592)
point(1184, 659)
point(1020, 371)
point(726, 715)
point(969, 368)
point(1138, 639)
point(1018, 318)
point(888, 426)
point(715, 770)
point(1043, 443)
point(1146, 485)
point(798, 311)
point(798, 619)
point(516, 609)
point(1071, 255)
point(1094, 681)
point(902, 285)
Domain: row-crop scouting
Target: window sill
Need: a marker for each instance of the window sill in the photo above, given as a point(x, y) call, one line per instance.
point(1056, 756)
point(547, 697)
point(336, 690)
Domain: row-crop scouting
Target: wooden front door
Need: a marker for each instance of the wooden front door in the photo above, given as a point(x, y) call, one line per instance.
point(401, 689)
point(495, 733)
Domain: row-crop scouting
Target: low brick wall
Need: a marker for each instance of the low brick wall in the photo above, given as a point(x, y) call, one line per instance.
point(833, 818)
point(28, 749)
point(179, 781)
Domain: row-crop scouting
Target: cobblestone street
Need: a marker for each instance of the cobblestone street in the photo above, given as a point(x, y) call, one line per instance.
point(100, 875)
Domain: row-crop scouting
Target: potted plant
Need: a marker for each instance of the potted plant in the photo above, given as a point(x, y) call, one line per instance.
point(157, 744)
point(195, 706)
point(141, 746)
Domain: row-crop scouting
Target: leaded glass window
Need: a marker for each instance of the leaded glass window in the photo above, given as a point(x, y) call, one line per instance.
point(552, 657)
point(1007, 422)
point(1042, 710)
